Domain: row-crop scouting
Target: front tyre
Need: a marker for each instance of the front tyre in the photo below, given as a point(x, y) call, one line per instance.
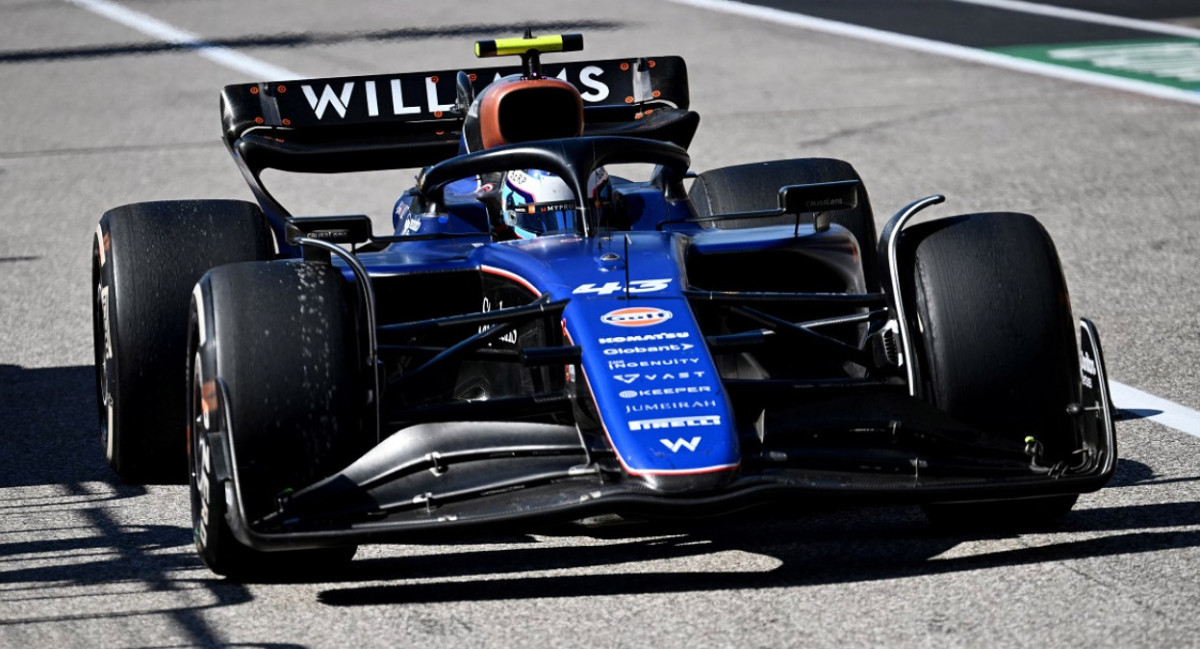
point(276, 402)
point(995, 343)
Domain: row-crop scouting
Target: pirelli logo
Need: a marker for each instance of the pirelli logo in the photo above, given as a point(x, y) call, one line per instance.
point(675, 422)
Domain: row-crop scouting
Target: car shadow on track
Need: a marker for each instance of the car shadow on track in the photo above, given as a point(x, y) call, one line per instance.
point(809, 547)
point(48, 431)
point(65, 535)
point(48, 427)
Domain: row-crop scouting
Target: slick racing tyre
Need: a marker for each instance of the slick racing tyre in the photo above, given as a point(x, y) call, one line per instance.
point(275, 398)
point(755, 186)
point(995, 342)
point(146, 258)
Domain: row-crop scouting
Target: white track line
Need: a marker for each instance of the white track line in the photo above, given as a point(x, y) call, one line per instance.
point(1170, 414)
point(780, 17)
point(257, 69)
point(1087, 17)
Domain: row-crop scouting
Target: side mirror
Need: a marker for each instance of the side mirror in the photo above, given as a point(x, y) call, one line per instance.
point(819, 197)
point(353, 229)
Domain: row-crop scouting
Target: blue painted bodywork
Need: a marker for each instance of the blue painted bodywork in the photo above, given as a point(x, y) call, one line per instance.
point(645, 364)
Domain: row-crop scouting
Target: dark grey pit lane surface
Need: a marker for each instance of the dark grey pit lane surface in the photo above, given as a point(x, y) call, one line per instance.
point(251, 42)
point(88, 562)
point(955, 22)
point(1144, 9)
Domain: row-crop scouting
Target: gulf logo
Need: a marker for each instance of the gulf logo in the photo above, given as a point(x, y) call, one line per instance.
point(636, 316)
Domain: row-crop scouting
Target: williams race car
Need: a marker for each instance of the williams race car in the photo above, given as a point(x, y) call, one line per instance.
point(541, 341)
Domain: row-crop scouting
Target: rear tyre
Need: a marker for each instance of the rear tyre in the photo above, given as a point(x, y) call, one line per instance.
point(755, 186)
point(275, 374)
point(995, 343)
point(146, 258)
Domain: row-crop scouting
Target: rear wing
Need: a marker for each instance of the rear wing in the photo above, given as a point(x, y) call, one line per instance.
point(399, 121)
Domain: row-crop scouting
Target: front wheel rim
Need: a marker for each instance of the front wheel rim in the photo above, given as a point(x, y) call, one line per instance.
point(105, 359)
point(198, 454)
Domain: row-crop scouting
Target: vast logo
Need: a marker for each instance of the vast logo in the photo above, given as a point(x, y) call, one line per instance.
point(636, 316)
point(667, 376)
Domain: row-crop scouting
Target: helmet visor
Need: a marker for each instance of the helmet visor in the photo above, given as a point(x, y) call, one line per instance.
point(536, 219)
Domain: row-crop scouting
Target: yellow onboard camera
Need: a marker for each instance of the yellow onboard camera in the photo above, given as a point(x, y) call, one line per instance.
point(529, 48)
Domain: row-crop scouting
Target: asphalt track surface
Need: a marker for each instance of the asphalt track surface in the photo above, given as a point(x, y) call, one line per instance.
point(94, 114)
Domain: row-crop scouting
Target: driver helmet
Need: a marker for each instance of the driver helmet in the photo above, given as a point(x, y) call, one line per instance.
point(536, 202)
point(516, 109)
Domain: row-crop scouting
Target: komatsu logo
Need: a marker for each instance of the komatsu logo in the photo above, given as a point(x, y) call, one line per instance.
point(620, 340)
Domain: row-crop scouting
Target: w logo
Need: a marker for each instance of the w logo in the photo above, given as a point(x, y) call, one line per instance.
point(329, 98)
point(681, 443)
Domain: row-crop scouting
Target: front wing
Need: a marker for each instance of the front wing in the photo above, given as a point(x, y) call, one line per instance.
point(457, 477)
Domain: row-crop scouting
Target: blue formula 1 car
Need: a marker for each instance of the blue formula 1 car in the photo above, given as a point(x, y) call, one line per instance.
point(544, 340)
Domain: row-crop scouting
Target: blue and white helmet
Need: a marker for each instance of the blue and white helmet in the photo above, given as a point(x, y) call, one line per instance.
point(538, 202)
